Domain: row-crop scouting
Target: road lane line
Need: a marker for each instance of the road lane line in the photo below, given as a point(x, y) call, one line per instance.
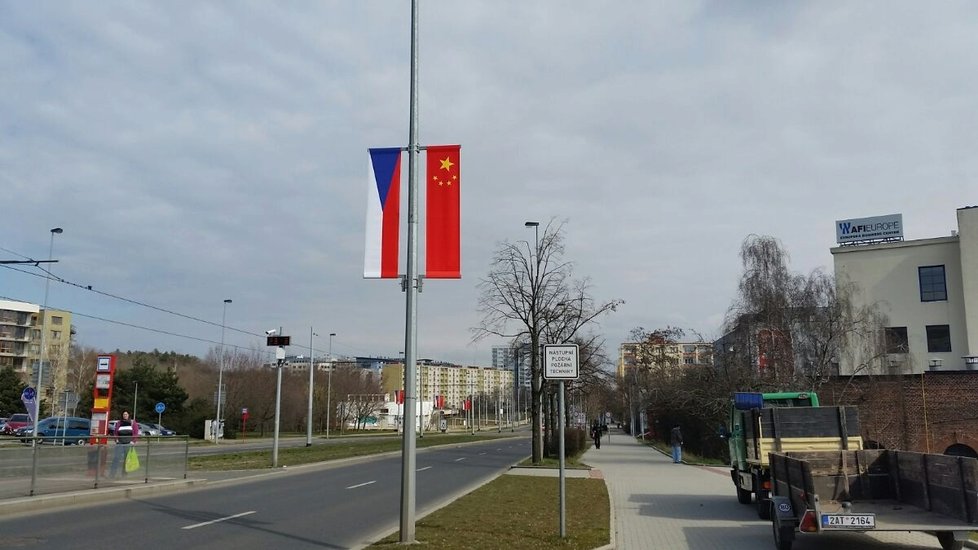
point(482, 453)
point(362, 484)
point(459, 459)
point(425, 468)
point(196, 525)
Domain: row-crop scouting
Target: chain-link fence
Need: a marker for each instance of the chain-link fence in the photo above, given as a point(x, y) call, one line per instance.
point(56, 466)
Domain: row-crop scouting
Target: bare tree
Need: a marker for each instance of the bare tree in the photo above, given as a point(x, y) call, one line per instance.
point(529, 294)
point(788, 331)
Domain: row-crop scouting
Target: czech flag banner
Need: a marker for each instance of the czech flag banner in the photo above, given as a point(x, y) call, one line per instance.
point(442, 224)
point(383, 214)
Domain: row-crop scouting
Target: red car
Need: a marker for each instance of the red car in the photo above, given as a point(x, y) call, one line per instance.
point(16, 421)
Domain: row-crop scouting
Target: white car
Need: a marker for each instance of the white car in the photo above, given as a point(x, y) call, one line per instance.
point(145, 430)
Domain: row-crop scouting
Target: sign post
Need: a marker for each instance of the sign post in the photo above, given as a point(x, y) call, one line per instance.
point(560, 363)
point(160, 407)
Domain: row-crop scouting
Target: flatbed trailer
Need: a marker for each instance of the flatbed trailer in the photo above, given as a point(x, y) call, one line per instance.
point(873, 490)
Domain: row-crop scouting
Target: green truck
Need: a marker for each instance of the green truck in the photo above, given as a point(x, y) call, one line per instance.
point(764, 423)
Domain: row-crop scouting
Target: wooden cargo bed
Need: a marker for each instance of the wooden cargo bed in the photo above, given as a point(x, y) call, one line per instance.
point(907, 491)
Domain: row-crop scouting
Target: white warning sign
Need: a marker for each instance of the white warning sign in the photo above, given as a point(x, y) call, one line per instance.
point(560, 362)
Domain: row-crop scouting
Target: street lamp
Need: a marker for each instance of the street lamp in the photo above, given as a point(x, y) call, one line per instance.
point(535, 340)
point(309, 416)
point(279, 362)
point(329, 380)
point(43, 354)
point(220, 375)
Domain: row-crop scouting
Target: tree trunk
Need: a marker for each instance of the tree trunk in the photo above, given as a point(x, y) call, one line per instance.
point(536, 397)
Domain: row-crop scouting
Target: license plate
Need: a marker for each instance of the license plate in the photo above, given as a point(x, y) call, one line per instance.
point(849, 521)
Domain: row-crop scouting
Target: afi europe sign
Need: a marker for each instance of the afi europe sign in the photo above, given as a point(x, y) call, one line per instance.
point(869, 229)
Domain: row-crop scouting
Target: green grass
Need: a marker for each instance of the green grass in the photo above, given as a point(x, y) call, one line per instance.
point(347, 448)
point(518, 512)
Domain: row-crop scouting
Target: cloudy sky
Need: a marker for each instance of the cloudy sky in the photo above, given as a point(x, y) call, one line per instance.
point(197, 151)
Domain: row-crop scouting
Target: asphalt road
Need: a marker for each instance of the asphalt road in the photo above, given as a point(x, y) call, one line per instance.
point(304, 507)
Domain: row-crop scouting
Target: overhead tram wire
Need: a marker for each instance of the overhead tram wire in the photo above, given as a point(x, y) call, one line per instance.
point(131, 301)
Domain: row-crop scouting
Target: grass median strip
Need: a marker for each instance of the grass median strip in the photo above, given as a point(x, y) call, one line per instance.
point(518, 512)
point(334, 450)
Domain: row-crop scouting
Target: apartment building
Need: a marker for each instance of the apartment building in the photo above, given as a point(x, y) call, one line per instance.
point(455, 383)
point(21, 340)
point(647, 354)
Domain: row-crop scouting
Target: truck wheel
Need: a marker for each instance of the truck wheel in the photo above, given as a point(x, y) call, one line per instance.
point(763, 505)
point(743, 495)
point(784, 535)
point(946, 538)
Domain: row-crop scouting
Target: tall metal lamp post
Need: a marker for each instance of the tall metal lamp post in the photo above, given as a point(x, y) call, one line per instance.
point(220, 376)
point(309, 415)
point(535, 337)
point(329, 380)
point(43, 354)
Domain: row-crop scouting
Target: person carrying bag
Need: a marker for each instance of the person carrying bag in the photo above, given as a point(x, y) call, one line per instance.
point(126, 432)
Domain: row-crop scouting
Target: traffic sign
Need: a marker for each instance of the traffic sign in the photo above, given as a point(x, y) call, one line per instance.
point(560, 362)
point(160, 407)
point(28, 393)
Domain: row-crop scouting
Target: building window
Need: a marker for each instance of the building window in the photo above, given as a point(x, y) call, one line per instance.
point(56, 320)
point(896, 340)
point(55, 334)
point(35, 334)
point(938, 338)
point(933, 287)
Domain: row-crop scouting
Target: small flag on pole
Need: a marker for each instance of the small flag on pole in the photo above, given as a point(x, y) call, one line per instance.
point(442, 227)
point(383, 214)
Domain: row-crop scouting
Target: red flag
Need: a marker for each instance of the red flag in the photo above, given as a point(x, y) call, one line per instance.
point(442, 227)
point(467, 405)
point(400, 397)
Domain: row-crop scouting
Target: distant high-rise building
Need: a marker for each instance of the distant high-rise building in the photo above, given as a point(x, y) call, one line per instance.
point(516, 359)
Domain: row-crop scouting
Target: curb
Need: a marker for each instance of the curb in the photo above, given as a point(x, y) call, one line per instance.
point(15, 506)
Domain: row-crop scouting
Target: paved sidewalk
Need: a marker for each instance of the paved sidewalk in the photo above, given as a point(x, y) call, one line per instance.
point(659, 505)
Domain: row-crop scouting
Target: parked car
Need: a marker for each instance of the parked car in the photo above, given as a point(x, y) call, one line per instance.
point(163, 431)
point(15, 422)
point(146, 429)
point(72, 430)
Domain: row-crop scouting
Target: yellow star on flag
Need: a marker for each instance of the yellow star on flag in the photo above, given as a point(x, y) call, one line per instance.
point(446, 164)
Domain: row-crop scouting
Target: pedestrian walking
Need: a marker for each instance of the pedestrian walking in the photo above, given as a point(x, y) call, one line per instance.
point(596, 435)
point(126, 431)
point(676, 440)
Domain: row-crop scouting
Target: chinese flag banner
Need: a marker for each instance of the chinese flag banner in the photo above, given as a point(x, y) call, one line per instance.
point(442, 226)
point(400, 397)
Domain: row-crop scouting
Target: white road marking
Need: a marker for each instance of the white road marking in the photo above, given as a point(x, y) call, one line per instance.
point(459, 459)
point(425, 468)
point(196, 525)
point(362, 484)
point(482, 453)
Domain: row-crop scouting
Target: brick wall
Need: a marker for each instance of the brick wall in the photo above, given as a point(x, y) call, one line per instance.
point(925, 413)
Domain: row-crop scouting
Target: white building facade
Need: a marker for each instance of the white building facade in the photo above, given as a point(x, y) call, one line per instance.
point(928, 289)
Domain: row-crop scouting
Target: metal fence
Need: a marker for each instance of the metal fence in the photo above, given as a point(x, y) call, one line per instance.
point(47, 465)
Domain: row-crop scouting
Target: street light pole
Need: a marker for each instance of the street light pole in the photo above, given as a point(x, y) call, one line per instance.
point(220, 375)
point(309, 415)
point(535, 376)
point(43, 354)
point(329, 382)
